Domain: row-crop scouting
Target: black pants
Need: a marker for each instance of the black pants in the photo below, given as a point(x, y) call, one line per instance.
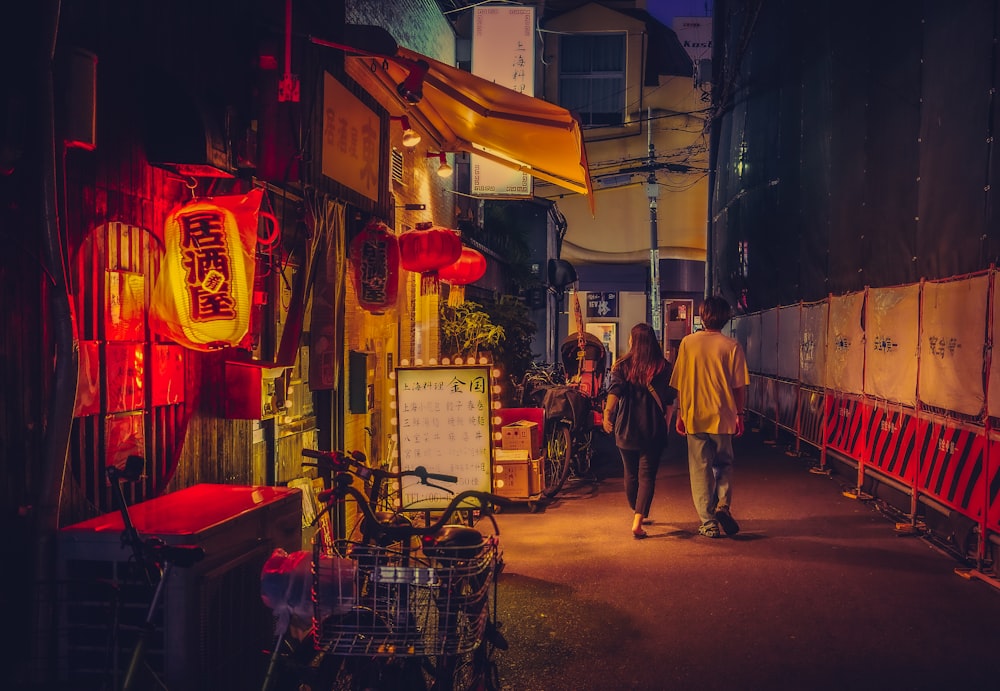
point(640, 476)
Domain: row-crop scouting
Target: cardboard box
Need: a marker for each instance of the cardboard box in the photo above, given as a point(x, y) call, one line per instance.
point(535, 481)
point(516, 475)
point(522, 434)
point(512, 478)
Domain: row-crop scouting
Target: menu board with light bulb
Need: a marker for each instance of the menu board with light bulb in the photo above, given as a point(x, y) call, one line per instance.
point(443, 423)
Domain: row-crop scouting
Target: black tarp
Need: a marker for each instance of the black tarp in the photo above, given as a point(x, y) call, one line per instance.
point(852, 146)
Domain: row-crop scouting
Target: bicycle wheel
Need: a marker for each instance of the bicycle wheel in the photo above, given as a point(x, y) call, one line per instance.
point(583, 456)
point(558, 455)
point(471, 671)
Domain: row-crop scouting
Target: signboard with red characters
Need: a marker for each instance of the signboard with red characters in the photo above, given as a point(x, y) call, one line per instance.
point(203, 296)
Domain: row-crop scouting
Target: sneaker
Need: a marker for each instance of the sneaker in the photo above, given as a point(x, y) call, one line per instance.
point(709, 530)
point(726, 520)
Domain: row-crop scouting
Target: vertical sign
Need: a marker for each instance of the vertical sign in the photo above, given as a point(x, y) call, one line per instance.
point(503, 51)
point(350, 139)
point(444, 424)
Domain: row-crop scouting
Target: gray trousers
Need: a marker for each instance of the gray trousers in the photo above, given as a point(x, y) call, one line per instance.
point(710, 463)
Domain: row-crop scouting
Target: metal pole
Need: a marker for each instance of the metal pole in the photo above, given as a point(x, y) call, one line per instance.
point(654, 240)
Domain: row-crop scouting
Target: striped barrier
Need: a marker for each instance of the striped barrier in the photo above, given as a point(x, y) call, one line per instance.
point(992, 490)
point(786, 395)
point(892, 437)
point(844, 427)
point(810, 416)
point(952, 466)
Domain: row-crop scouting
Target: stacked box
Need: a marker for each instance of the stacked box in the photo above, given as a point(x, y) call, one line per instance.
point(515, 474)
point(535, 481)
point(522, 434)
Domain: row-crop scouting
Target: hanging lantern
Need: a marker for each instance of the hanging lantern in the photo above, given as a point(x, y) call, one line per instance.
point(470, 267)
point(426, 250)
point(375, 267)
point(202, 297)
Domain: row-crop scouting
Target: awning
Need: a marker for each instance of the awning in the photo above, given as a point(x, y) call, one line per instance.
point(463, 112)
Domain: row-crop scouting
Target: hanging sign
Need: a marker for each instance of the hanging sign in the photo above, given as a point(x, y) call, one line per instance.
point(375, 268)
point(602, 305)
point(202, 297)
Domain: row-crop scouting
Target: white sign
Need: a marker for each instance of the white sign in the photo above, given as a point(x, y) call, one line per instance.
point(695, 34)
point(503, 51)
point(444, 424)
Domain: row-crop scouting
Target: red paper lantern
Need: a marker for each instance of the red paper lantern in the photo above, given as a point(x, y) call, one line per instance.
point(375, 264)
point(202, 297)
point(470, 267)
point(426, 250)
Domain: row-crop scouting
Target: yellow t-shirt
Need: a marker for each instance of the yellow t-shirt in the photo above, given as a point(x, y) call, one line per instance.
point(709, 367)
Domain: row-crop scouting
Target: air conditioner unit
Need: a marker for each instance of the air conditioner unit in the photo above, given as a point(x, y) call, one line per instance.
point(211, 626)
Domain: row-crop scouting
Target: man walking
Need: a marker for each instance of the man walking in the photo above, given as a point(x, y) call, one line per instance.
point(711, 377)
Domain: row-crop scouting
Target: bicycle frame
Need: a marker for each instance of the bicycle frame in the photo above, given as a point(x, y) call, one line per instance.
point(404, 609)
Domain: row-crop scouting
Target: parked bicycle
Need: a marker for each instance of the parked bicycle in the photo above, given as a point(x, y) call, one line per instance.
point(154, 561)
point(387, 610)
point(572, 410)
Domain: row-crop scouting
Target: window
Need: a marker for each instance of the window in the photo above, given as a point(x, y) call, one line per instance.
point(592, 77)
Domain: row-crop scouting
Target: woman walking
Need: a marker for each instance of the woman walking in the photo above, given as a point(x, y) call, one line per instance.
point(638, 409)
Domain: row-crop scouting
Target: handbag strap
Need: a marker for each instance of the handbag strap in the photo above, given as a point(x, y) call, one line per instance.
point(656, 397)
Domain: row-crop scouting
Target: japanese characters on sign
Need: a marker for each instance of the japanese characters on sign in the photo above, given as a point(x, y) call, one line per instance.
point(350, 139)
point(503, 51)
point(602, 305)
point(444, 425)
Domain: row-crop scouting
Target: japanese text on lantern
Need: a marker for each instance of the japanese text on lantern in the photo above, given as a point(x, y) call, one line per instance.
point(374, 271)
point(207, 266)
point(444, 425)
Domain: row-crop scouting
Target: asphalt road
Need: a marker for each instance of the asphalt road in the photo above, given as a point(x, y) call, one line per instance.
point(818, 591)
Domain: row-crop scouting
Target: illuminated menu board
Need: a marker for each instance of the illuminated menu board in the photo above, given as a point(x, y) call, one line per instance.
point(443, 424)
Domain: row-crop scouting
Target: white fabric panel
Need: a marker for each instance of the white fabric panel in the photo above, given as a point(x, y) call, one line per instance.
point(769, 342)
point(952, 340)
point(813, 343)
point(788, 341)
point(845, 355)
point(748, 335)
point(891, 343)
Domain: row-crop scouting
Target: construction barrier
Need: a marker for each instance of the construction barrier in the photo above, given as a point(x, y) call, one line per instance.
point(893, 381)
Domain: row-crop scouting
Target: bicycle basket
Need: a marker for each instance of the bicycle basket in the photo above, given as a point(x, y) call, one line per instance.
point(411, 606)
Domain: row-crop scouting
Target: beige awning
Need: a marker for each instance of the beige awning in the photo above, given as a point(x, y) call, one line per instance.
point(463, 112)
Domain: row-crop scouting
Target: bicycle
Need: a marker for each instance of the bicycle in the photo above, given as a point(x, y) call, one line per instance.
point(571, 419)
point(154, 560)
point(389, 611)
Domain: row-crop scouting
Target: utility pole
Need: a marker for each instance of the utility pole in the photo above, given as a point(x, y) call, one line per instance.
point(652, 192)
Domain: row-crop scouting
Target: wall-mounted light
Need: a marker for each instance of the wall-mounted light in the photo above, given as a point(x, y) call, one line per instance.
point(444, 170)
point(410, 136)
point(412, 88)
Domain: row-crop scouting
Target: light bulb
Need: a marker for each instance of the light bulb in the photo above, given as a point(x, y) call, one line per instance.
point(410, 138)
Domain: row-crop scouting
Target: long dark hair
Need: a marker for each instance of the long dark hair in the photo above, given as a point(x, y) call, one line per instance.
point(644, 359)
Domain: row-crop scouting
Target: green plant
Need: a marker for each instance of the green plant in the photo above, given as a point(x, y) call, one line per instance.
point(466, 329)
point(502, 327)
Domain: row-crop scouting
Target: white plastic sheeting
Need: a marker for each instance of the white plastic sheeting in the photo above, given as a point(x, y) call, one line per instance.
point(952, 335)
point(845, 355)
point(788, 341)
point(747, 332)
point(891, 343)
point(813, 343)
point(769, 342)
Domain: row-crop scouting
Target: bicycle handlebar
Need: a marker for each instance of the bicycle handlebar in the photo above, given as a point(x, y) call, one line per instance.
point(355, 462)
point(380, 530)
